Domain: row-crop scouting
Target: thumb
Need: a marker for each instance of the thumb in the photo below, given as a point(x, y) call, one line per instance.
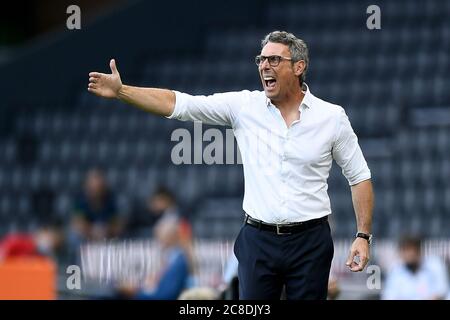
point(350, 258)
point(112, 65)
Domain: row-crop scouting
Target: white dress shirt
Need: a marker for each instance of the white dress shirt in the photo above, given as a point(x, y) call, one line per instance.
point(285, 169)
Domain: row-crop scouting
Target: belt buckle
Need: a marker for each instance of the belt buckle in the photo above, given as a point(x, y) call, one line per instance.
point(281, 233)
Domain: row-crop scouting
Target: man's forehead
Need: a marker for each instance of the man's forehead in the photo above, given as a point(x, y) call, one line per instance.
point(272, 48)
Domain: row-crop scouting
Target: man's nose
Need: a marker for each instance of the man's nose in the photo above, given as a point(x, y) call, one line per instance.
point(264, 65)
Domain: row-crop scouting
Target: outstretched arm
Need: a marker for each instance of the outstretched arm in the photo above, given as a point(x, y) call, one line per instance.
point(362, 196)
point(157, 101)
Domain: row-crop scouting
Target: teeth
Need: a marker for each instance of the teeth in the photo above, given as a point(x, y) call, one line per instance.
point(269, 78)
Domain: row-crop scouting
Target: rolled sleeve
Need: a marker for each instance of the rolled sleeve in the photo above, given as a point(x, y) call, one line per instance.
point(178, 106)
point(348, 153)
point(219, 108)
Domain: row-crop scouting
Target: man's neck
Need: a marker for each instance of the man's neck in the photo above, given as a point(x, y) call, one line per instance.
point(289, 108)
point(291, 102)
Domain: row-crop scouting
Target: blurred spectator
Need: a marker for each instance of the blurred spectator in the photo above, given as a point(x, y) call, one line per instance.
point(45, 241)
point(28, 264)
point(416, 277)
point(161, 204)
point(161, 207)
point(95, 215)
point(175, 275)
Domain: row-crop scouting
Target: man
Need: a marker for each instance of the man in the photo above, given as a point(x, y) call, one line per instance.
point(175, 274)
point(288, 139)
point(416, 277)
point(95, 216)
point(159, 205)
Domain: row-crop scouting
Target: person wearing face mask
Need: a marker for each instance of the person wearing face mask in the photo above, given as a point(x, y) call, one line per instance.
point(44, 241)
point(416, 277)
point(29, 263)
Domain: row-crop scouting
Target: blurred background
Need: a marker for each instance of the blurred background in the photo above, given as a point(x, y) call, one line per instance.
point(76, 169)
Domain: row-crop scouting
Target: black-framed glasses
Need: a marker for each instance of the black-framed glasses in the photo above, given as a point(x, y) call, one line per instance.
point(273, 60)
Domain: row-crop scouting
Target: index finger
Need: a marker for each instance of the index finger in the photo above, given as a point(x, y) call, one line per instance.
point(350, 257)
point(95, 74)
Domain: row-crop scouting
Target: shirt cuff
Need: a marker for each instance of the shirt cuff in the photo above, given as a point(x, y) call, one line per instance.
point(363, 177)
point(179, 99)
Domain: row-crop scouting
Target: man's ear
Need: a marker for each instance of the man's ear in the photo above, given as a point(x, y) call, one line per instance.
point(299, 67)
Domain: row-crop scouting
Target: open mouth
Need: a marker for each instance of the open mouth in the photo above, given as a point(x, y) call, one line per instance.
point(270, 82)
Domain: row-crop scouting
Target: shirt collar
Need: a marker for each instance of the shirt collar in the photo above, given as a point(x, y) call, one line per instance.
point(307, 99)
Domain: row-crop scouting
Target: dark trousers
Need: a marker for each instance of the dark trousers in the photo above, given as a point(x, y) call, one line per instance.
point(267, 261)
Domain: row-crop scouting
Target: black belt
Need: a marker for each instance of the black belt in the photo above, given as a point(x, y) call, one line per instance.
point(288, 228)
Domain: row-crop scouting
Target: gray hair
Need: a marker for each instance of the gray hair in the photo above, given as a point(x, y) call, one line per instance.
point(297, 48)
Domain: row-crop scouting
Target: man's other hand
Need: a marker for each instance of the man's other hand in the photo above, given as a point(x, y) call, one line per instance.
point(360, 249)
point(106, 85)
